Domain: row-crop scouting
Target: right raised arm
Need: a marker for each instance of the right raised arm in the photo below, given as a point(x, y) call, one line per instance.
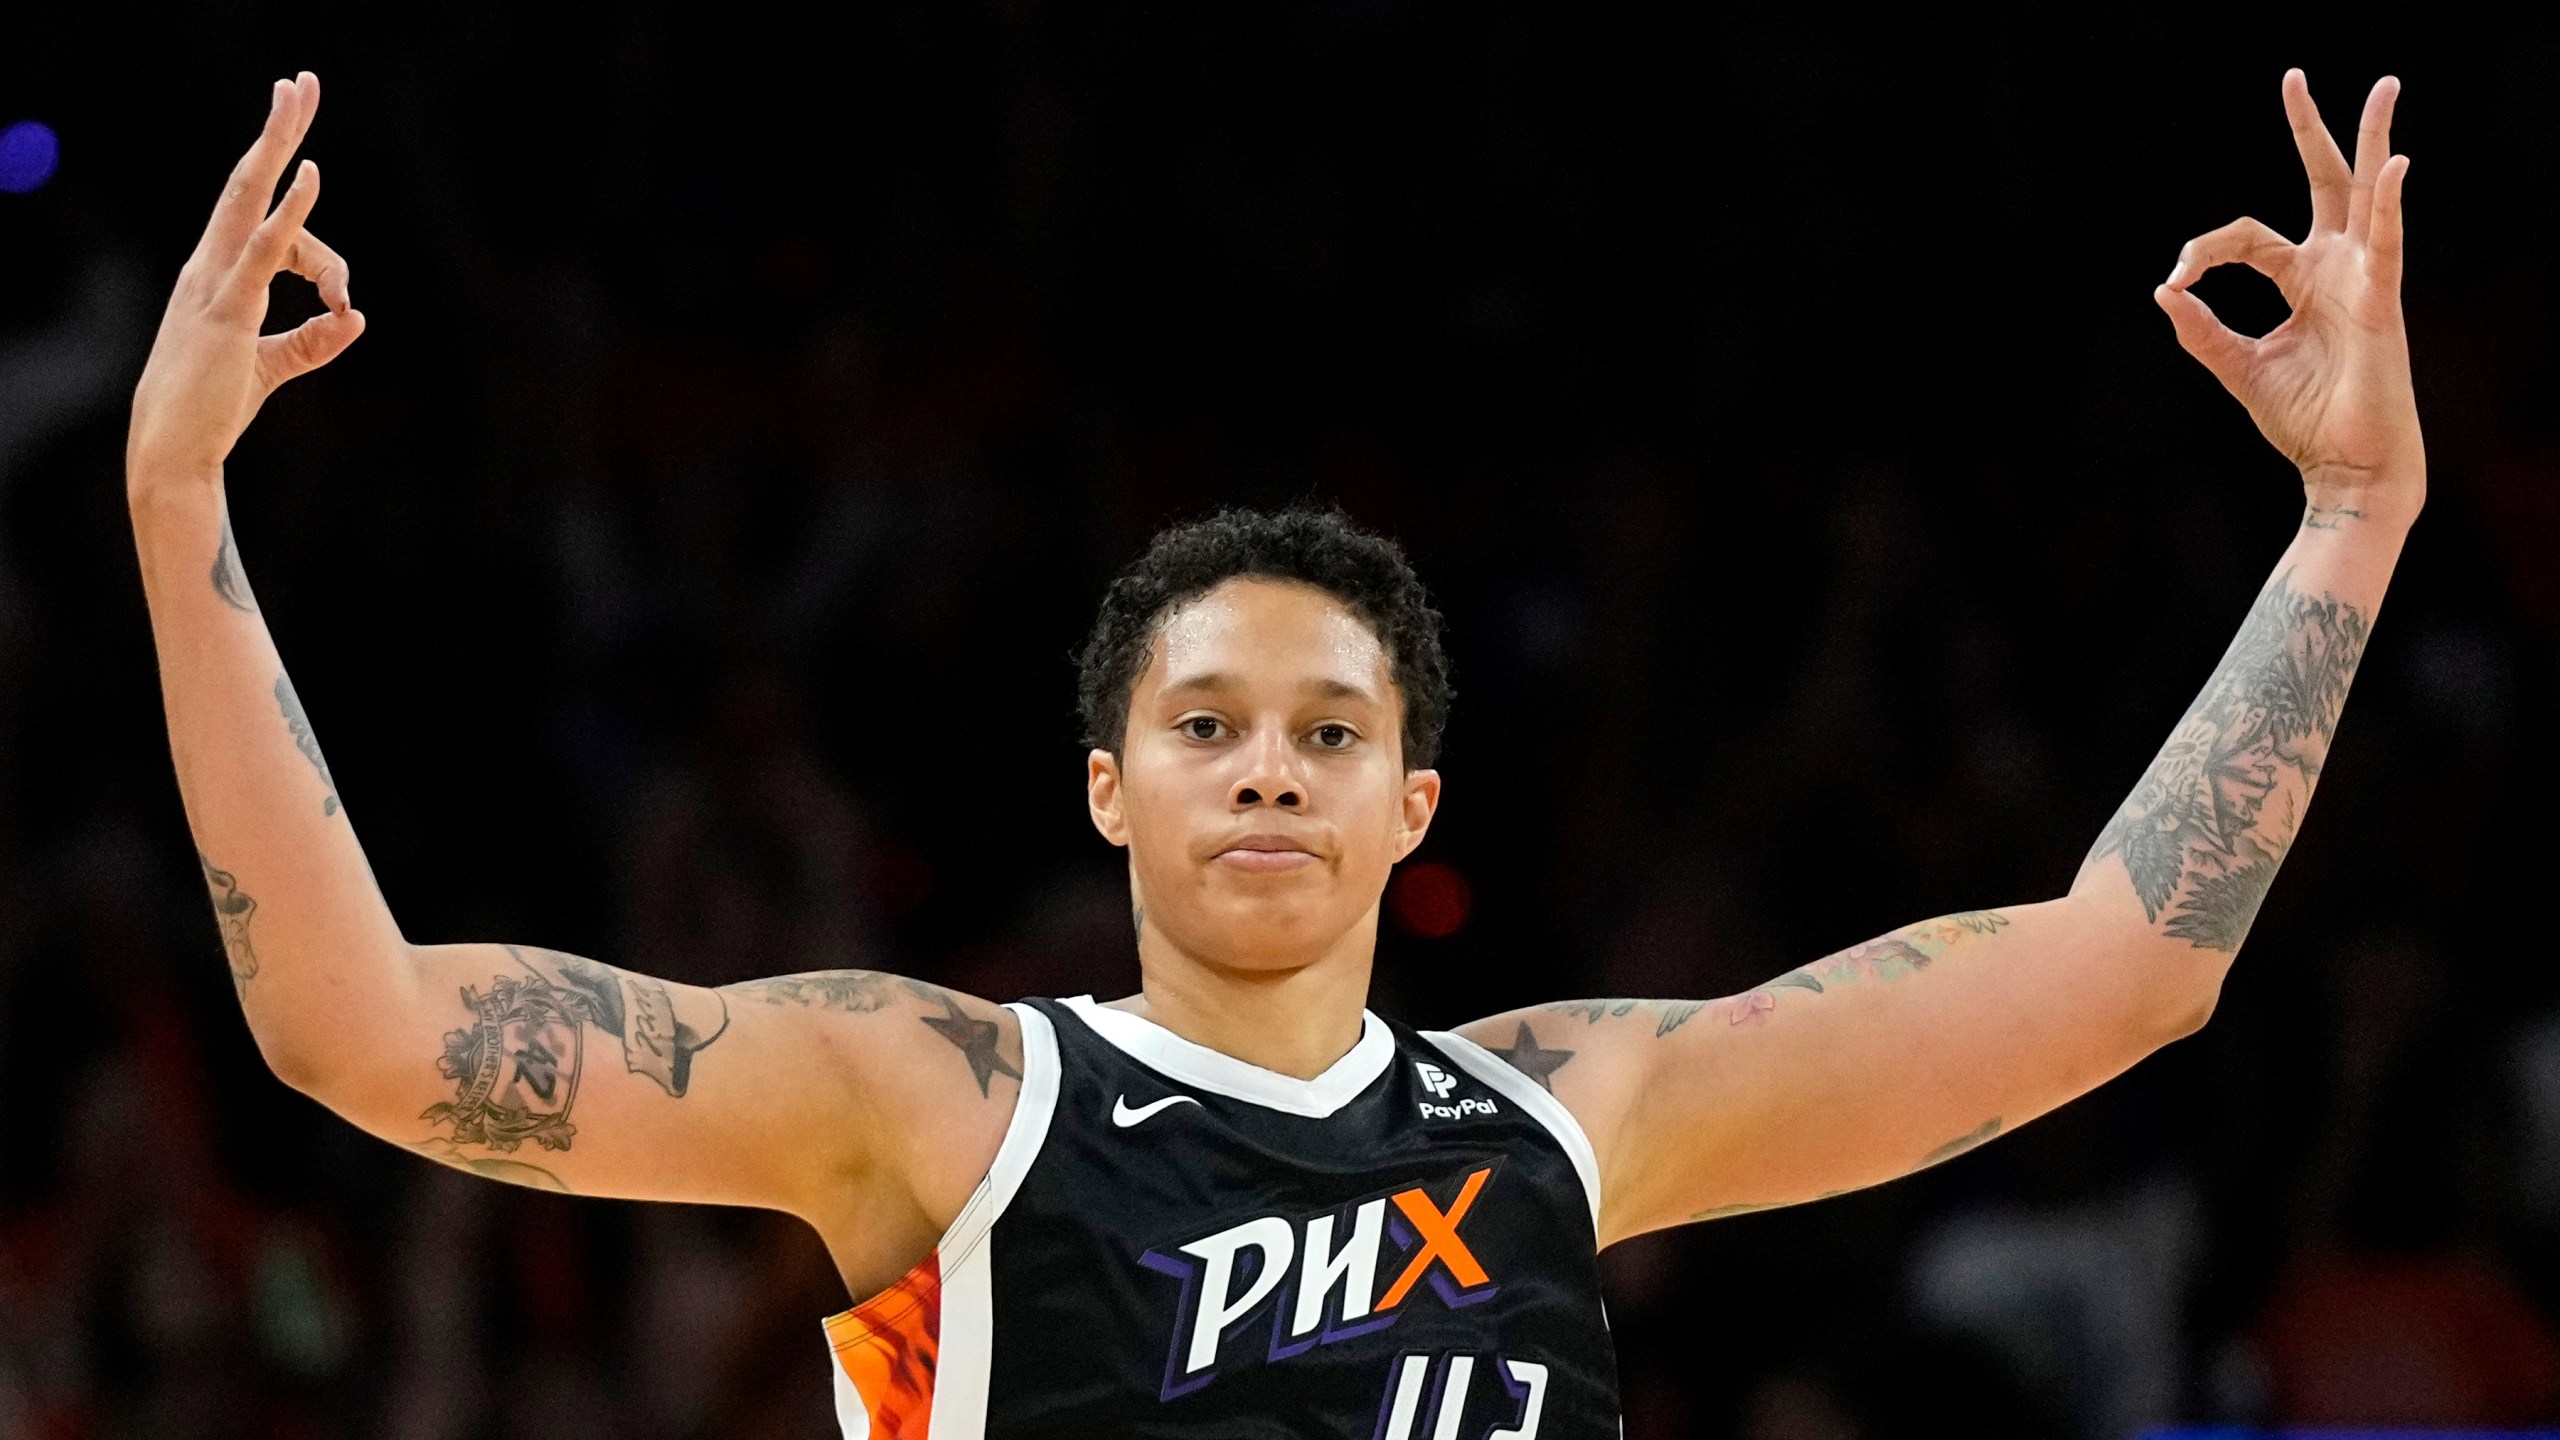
point(857, 1100)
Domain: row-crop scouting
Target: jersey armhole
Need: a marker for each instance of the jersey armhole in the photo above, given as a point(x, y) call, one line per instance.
point(1535, 1099)
point(1024, 1134)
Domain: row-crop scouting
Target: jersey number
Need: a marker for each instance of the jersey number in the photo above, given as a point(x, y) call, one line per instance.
point(1401, 1412)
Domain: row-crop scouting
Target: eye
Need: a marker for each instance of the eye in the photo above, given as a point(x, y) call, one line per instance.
point(1334, 737)
point(1201, 727)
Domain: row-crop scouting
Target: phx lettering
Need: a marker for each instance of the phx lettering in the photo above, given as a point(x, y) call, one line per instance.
point(1319, 1292)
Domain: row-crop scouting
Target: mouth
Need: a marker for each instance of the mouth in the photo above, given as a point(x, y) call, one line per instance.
point(1265, 855)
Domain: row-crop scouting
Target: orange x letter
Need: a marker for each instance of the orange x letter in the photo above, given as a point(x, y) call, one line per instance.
point(1439, 1238)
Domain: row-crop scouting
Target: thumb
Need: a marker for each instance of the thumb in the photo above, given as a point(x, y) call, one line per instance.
point(2205, 337)
point(308, 346)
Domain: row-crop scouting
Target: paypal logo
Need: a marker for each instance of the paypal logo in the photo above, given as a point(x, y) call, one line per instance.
point(1437, 1083)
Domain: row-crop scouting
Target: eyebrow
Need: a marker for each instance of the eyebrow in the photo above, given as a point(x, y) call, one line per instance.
point(1218, 680)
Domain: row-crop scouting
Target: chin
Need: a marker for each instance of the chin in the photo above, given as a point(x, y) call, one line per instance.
point(1272, 931)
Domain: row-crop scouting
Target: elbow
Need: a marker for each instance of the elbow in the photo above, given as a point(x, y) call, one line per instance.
point(319, 1043)
point(292, 1063)
point(2183, 1014)
point(310, 1068)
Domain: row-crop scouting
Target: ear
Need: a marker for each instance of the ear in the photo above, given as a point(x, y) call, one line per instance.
point(1421, 801)
point(1102, 796)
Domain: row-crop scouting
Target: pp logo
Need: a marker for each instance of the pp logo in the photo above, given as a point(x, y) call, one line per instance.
point(1437, 1083)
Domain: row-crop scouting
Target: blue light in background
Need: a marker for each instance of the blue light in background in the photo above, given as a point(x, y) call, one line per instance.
point(28, 153)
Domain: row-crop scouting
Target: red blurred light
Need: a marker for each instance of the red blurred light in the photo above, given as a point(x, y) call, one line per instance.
point(1430, 900)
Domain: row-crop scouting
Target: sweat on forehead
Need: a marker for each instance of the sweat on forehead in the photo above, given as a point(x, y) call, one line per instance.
point(1252, 618)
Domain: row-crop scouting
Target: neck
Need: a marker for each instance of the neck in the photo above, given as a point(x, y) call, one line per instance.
point(1296, 1021)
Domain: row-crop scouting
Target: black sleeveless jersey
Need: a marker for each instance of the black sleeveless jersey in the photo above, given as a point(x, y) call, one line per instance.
point(1172, 1242)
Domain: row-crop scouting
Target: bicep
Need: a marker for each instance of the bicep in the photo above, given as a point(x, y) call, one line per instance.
point(558, 1072)
point(1864, 1066)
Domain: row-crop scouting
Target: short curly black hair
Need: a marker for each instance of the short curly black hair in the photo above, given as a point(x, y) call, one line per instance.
point(1318, 547)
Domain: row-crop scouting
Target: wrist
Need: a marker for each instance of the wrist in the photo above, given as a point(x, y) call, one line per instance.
point(179, 502)
point(151, 488)
point(2336, 498)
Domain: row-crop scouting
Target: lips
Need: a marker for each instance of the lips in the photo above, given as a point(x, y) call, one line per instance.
point(1265, 854)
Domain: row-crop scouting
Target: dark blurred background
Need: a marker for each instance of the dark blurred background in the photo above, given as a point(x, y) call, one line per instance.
point(684, 567)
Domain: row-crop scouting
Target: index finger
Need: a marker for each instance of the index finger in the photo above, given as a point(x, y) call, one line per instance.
point(2330, 178)
point(2373, 150)
point(252, 185)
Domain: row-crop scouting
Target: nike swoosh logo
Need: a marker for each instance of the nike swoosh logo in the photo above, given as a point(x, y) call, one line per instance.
point(1124, 1117)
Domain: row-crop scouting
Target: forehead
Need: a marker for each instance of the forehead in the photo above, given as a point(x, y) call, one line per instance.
point(1250, 629)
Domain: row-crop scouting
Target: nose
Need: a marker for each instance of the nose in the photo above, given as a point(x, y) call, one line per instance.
point(1268, 780)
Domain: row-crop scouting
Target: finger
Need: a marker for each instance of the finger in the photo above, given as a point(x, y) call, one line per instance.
point(2330, 177)
point(2244, 241)
point(2204, 336)
point(325, 268)
point(253, 181)
point(2382, 242)
point(307, 346)
point(273, 240)
point(2373, 151)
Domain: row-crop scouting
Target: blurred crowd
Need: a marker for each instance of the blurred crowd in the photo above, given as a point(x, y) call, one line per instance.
point(683, 568)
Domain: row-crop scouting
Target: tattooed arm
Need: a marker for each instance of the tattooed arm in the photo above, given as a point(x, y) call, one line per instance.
point(1913, 1047)
point(867, 1105)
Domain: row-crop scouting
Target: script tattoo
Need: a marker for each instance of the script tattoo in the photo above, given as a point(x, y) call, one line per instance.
point(228, 581)
point(305, 741)
point(1668, 1015)
point(638, 1011)
point(231, 909)
point(976, 1039)
point(1595, 1011)
point(859, 991)
point(2190, 835)
point(1887, 957)
point(515, 1067)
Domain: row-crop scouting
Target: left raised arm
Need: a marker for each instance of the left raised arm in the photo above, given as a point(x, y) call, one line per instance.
point(1911, 1048)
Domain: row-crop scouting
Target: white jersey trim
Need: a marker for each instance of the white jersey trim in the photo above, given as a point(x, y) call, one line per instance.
point(968, 1294)
point(852, 1416)
point(1161, 1050)
point(1534, 1098)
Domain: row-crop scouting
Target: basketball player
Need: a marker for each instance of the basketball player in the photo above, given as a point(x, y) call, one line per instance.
point(1237, 1203)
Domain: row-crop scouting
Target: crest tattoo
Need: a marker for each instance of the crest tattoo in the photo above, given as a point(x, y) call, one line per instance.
point(515, 1067)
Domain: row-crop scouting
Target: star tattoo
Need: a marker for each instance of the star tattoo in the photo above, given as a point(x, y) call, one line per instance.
point(1525, 1057)
point(976, 1039)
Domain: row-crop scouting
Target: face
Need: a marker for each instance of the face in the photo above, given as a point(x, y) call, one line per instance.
point(1260, 788)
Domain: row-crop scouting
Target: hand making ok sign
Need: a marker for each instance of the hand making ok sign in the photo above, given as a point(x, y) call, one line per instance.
point(2330, 386)
point(210, 369)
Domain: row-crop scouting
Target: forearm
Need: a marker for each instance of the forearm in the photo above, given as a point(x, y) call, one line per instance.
point(312, 947)
point(2184, 864)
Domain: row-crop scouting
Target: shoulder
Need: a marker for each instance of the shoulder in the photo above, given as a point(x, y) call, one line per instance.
point(930, 1076)
point(1593, 1057)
